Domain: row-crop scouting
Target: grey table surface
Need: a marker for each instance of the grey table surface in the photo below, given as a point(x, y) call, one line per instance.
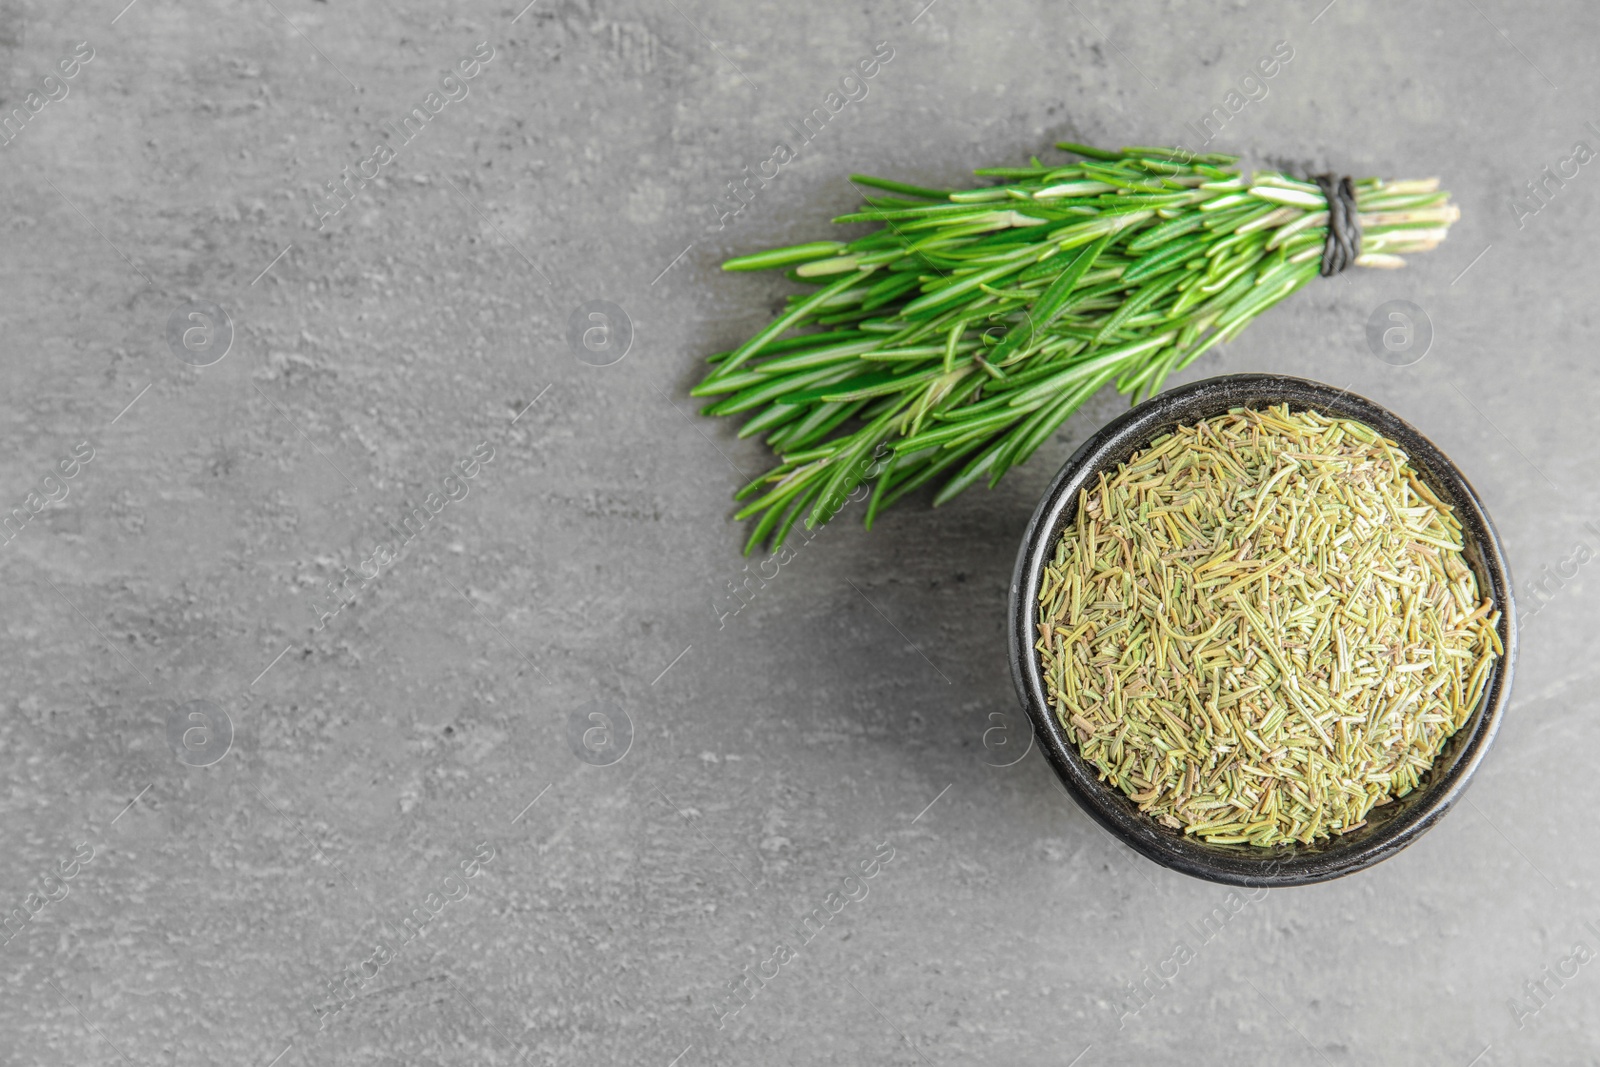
point(232, 889)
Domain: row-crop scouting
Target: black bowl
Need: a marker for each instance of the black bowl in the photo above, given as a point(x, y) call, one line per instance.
point(1390, 827)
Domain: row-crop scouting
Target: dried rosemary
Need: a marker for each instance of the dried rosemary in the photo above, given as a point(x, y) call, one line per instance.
point(1262, 627)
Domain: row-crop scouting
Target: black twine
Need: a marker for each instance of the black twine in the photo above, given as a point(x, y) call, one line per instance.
point(1344, 226)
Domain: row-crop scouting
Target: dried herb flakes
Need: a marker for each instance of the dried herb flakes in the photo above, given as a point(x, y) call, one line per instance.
point(1262, 627)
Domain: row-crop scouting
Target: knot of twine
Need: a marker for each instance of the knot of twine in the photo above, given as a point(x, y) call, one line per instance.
point(1344, 225)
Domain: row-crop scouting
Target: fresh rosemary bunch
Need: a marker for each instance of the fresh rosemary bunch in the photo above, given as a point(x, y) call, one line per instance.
point(955, 339)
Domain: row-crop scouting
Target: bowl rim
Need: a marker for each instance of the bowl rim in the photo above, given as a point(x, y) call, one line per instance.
point(1108, 806)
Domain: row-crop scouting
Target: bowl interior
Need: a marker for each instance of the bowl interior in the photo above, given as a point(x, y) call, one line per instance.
point(1390, 827)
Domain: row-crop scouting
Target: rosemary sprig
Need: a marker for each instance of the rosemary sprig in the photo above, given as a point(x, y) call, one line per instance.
point(952, 341)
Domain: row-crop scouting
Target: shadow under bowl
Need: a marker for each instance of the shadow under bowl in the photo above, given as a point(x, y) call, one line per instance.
point(1389, 828)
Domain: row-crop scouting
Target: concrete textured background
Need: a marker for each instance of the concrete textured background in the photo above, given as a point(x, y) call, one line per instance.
point(853, 708)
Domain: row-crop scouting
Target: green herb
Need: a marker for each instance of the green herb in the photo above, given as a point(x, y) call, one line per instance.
point(1262, 627)
point(969, 325)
